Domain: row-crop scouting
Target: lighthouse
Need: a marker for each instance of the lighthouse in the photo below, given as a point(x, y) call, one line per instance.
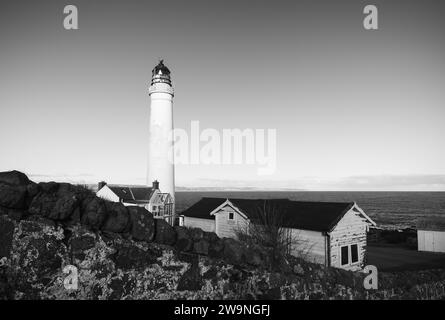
point(160, 154)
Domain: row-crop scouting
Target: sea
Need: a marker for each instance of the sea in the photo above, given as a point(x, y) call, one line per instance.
point(394, 210)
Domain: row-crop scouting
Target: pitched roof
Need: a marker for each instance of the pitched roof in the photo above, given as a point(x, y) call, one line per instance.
point(163, 197)
point(142, 193)
point(132, 194)
point(203, 207)
point(316, 216)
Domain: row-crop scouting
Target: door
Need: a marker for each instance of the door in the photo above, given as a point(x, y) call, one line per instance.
point(429, 241)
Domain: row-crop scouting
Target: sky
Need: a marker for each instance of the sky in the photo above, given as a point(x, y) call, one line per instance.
point(353, 109)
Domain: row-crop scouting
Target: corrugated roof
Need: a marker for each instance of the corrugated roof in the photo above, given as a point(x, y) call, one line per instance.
point(316, 216)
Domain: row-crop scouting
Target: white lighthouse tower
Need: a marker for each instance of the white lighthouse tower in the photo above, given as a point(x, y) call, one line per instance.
point(160, 153)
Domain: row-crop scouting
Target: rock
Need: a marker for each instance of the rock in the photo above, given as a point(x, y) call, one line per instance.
point(234, 251)
point(48, 259)
point(15, 178)
point(6, 236)
point(43, 205)
point(95, 214)
point(118, 290)
point(84, 203)
point(210, 236)
point(182, 232)
point(191, 279)
point(74, 218)
point(272, 294)
point(110, 237)
point(118, 220)
point(64, 207)
point(65, 189)
point(60, 201)
point(49, 187)
point(201, 247)
point(216, 248)
point(121, 287)
point(4, 211)
point(142, 224)
point(196, 234)
point(82, 242)
point(16, 215)
point(254, 257)
point(40, 253)
point(7, 290)
point(132, 257)
point(13, 196)
point(39, 219)
point(237, 275)
point(183, 243)
point(13, 214)
point(165, 233)
point(211, 274)
point(32, 190)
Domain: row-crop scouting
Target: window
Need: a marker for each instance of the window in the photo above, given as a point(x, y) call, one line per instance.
point(344, 255)
point(354, 253)
point(230, 215)
point(349, 254)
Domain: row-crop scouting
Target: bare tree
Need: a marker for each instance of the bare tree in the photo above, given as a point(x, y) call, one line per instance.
point(267, 230)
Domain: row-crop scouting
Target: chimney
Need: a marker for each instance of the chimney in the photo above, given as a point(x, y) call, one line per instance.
point(100, 185)
point(156, 185)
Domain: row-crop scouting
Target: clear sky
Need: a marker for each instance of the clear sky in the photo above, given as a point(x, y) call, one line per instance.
point(353, 109)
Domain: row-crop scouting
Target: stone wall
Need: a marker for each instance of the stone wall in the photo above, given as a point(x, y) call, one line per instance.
point(123, 253)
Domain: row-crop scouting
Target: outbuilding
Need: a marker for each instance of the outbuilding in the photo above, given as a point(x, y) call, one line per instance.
point(330, 233)
point(431, 236)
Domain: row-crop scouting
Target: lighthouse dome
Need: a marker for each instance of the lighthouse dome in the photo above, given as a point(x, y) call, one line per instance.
point(161, 69)
point(161, 74)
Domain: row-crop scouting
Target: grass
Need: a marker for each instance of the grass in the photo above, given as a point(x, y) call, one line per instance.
point(395, 258)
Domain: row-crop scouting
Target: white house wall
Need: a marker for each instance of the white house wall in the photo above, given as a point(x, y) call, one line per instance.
point(433, 241)
point(226, 228)
point(309, 245)
point(154, 195)
point(351, 229)
point(204, 224)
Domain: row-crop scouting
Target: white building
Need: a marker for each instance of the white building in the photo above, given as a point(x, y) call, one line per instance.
point(431, 236)
point(330, 233)
point(151, 198)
